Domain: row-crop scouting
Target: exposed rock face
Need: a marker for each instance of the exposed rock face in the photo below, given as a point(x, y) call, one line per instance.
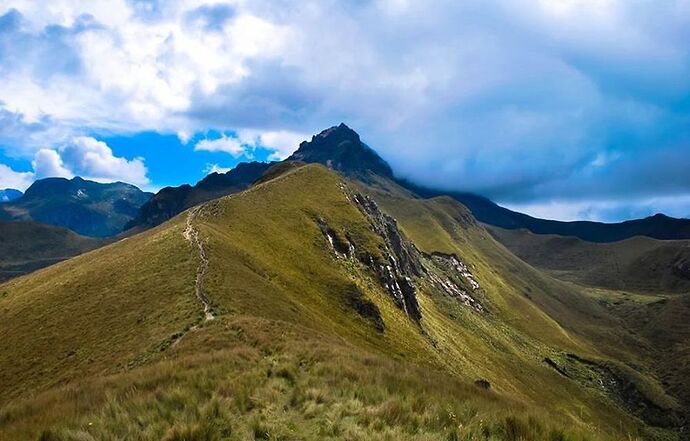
point(401, 263)
point(615, 383)
point(681, 268)
point(456, 280)
point(402, 260)
point(343, 248)
point(339, 148)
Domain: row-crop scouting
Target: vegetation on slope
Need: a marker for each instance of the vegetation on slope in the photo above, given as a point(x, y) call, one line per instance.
point(644, 282)
point(295, 349)
point(26, 246)
point(636, 264)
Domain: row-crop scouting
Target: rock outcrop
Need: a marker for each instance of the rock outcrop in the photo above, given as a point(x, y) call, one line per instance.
point(681, 268)
point(455, 279)
point(401, 261)
point(400, 265)
point(340, 148)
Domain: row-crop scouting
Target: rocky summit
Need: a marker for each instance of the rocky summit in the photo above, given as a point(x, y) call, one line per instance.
point(340, 148)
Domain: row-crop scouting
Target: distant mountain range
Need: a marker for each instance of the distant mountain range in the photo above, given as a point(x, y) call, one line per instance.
point(170, 201)
point(658, 226)
point(85, 207)
point(9, 194)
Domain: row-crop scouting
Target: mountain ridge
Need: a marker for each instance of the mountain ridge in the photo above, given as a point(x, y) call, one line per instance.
point(340, 148)
point(26, 246)
point(86, 207)
point(170, 201)
point(658, 226)
point(323, 292)
point(9, 194)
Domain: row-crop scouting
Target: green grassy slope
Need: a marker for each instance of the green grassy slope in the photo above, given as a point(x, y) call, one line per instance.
point(636, 264)
point(305, 343)
point(661, 320)
point(26, 246)
point(96, 313)
point(644, 282)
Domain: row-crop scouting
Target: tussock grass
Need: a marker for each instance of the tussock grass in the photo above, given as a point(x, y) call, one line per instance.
point(306, 389)
point(288, 356)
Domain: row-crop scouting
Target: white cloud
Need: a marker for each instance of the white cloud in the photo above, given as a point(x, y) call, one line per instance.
point(94, 159)
point(13, 179)
point(282, 142)
point(48, 163)
point(227, 144)
point(156, 62)
point(82, 156)
point(496, 97)
point(610, 210)
point(215, 168)
point(184, 136)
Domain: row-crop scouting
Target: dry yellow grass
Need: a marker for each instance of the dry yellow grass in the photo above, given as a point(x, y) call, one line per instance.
point(287, 357)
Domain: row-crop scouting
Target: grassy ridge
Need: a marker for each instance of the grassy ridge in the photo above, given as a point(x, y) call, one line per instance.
point(288, 356)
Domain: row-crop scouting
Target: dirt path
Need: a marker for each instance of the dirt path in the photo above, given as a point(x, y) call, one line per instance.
point(191, 234)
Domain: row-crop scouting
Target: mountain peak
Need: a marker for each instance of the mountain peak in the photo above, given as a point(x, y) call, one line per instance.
point(9, 194)
point(340, 148)
point(341, 130)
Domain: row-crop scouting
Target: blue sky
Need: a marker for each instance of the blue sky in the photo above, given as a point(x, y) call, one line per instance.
point(567, 109)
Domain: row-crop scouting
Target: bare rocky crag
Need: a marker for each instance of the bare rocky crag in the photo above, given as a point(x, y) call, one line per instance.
point(402, 265)
point(402, 262)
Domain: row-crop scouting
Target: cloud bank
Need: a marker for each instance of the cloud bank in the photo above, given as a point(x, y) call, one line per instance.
point(569, 106)
point(82, 156)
